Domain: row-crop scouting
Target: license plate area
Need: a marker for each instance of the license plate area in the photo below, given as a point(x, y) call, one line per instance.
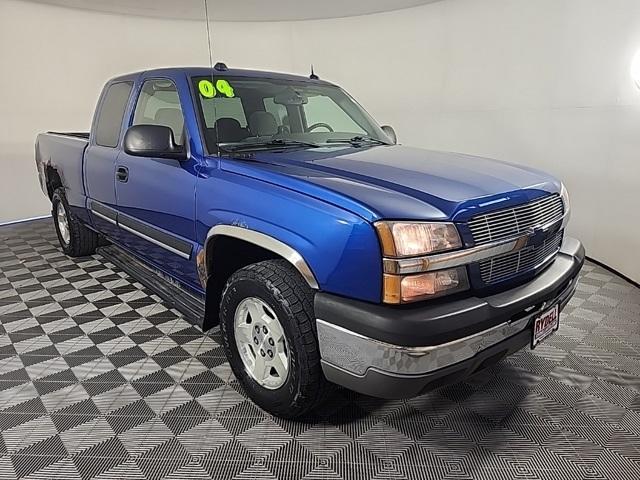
point(545, 324)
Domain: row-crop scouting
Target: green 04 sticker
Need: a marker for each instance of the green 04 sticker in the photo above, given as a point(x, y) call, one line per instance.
point(208, 90)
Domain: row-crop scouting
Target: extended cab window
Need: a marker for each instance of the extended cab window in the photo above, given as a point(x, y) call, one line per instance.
point(159, 104)
point(109, 119)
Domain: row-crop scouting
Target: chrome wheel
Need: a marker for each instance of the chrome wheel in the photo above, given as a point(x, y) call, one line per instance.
point(261, 343)
point(63, 223)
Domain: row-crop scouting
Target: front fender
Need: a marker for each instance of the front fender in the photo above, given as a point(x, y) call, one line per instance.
point(340, 249)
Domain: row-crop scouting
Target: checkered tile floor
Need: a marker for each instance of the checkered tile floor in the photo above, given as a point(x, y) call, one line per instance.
point(100, 379)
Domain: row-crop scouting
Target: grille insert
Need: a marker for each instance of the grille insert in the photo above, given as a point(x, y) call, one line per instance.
point(511, 222)
point(501, 268)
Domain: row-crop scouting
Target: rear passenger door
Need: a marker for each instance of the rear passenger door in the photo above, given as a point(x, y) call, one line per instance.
point(101, 154)
point(156, 196)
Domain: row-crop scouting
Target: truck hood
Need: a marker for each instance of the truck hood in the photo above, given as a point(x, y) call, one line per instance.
point(397, 182)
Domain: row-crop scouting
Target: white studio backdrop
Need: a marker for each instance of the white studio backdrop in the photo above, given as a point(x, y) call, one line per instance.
point(544, 83)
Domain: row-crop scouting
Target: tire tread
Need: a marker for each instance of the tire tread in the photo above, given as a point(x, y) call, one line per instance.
point(297, 297)
point(83, 240)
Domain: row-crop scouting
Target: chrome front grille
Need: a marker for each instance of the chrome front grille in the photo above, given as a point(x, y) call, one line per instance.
point(500, 268)
point(511, 222)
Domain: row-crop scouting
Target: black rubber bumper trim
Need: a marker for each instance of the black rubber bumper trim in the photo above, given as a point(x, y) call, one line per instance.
point(445, 321)
point(394, 386)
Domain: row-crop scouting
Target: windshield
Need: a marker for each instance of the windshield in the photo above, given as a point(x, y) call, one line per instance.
point(239, 113)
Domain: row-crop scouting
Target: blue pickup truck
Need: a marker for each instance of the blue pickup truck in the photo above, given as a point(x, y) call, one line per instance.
point(326, 252)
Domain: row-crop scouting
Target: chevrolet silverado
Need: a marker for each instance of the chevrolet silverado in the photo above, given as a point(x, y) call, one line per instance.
point(326, 252)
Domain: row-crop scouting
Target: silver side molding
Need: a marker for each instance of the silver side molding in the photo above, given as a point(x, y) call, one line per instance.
point(104, 217)
point(154, 241)
point(116, 221)
point(268, 243)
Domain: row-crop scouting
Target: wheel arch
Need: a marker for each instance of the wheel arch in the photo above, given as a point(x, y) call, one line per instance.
point(228, 248)
point(53, 180)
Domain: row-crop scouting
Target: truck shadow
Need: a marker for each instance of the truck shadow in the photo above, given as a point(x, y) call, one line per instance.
point(487, 398)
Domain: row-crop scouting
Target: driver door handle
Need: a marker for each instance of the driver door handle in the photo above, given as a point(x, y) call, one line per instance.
point(122, 174)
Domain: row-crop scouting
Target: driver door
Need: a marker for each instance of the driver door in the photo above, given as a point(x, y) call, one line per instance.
point(156, 196)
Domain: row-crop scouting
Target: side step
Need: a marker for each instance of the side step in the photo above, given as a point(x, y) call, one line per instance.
point(190, 304)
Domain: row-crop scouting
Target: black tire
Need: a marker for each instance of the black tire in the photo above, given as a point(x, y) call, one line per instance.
point(282, 288)
point(82, 241)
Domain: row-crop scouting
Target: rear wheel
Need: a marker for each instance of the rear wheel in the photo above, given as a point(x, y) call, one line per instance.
point(75, 239)
point(268, 329)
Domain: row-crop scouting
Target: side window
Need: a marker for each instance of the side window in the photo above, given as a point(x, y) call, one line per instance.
point(159, 104)
point(322, 109)
point(109, 119)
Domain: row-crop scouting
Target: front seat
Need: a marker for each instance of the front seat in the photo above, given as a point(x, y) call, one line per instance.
point(172, 118)
point(263, 124)
point(229, 130)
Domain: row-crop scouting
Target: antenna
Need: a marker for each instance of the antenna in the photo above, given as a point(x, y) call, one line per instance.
point(210, 47)
point(313, 76)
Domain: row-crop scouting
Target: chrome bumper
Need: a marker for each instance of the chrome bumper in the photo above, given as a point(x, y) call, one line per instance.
point(356, 360)
point(356, 354)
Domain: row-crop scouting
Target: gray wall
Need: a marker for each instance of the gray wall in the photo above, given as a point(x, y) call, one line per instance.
point(544, 83)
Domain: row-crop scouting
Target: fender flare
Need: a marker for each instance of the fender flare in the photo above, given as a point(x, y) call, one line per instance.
point(262, 240)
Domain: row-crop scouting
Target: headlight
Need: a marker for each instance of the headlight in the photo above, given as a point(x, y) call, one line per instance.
point(416, 239)
point(565, 198)
point(411, 288)
point(403, 239)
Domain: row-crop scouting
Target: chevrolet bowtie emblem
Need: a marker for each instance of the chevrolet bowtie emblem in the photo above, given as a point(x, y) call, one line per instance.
point(536, 236)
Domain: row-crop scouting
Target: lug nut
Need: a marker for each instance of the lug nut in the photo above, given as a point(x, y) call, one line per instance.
point(257, 329)
point(262, 352)
point(255, 340)
point(264, 329)
point(271, 341)
point(270, 353)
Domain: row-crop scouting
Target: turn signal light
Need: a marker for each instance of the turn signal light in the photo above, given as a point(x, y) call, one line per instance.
point(411, 288)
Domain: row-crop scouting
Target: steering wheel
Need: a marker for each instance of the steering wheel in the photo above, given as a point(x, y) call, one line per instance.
point(319, 125)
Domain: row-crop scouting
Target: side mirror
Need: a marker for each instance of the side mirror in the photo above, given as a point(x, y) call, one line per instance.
point(391, 133)
point(152, 141)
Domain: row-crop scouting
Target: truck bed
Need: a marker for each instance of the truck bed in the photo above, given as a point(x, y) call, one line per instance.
point(64, 153)
point(83, 135)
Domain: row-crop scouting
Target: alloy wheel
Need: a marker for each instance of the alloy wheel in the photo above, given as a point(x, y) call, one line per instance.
point(63, 223)
point(261, 342)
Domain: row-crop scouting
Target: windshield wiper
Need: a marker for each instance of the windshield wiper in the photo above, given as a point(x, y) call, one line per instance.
point(358, 140)
point(276, 143)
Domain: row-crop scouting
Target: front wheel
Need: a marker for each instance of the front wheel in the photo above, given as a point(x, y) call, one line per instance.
point(267, 325)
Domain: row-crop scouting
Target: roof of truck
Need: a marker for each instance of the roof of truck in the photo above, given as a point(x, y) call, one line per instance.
point(206, 71)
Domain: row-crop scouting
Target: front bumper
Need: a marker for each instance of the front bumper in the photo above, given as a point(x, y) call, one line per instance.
point(393, 352)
